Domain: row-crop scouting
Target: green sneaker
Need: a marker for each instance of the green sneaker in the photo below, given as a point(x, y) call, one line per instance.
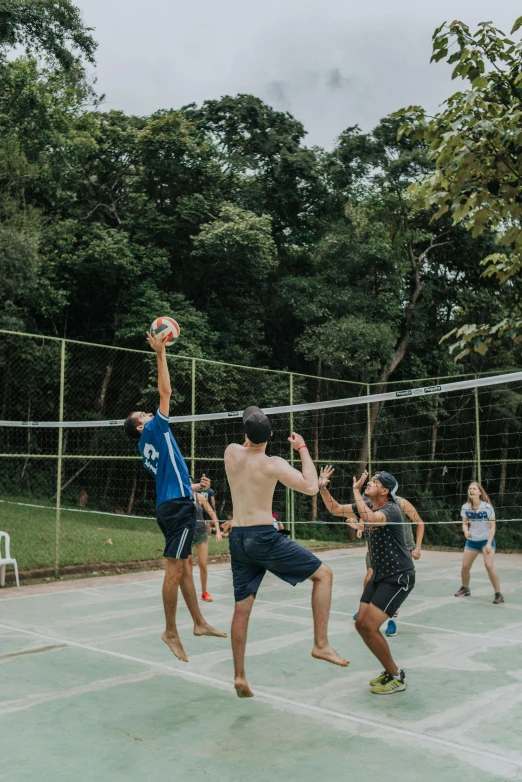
point(390, 684)
point(378, 679)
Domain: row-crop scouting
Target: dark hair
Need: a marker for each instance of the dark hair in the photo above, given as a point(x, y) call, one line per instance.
point(130, 427)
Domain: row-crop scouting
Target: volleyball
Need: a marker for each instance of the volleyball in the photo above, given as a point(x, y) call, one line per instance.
point(167, 326)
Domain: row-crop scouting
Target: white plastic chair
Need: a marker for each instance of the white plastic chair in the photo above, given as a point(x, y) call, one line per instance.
point(7, 560)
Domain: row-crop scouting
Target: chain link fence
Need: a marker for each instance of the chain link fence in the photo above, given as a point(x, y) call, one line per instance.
point(76, 496)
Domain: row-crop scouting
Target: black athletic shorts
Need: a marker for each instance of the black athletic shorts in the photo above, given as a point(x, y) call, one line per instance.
point(177, 521)
point(254, 550)
point(389, 593)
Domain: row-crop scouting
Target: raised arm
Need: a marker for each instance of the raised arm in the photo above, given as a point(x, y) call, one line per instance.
point(304, 481)
point(367, 515)
point(158, 344)
point(335, 508)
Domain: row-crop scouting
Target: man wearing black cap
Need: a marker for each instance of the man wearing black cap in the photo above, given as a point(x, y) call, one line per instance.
point(255, 546)
point(393, 575)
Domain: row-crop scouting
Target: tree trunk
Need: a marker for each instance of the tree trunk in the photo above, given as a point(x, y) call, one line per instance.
point(133, 493)
point(315, 454)
point(503, 461)
point(400, 351)
point(76, 474)
point(100, 402)
point(433, 444)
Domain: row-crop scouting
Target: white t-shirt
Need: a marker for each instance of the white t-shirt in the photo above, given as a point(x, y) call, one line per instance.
point(479, 519)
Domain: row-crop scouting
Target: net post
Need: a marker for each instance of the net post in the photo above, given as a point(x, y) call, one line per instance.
point(59, 465)
point(193, 423)
point(369, 430)
point(477, 437)
point(291, 495)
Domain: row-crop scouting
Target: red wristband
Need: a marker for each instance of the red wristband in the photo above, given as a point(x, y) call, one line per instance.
point(301, 447)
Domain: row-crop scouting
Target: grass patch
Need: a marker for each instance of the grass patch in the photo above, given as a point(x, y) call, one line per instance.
point(84, 538)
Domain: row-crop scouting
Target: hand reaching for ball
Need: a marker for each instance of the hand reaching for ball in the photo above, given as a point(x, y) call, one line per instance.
point(157, 341)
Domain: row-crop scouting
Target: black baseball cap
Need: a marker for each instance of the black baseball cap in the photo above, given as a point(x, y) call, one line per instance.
point(257, 427)
point(389, 482)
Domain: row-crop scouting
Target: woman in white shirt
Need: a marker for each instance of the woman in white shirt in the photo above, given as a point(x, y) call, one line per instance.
point(478, 525)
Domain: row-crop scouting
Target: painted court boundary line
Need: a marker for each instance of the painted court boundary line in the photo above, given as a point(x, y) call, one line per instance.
point(277, 698)
point(214, 571)
point(403, 622)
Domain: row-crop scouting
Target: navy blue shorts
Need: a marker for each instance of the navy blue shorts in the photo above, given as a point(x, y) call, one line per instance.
point(254, 550)
point(177, 520)
point(478, 545)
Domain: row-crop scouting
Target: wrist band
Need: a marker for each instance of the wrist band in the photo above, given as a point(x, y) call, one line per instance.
point(301, 447)
point(322, 488)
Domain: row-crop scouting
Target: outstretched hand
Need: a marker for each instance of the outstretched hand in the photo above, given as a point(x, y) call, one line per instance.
point(358, 484)
point(204, 482)
point(325, 475)
point(158, 341)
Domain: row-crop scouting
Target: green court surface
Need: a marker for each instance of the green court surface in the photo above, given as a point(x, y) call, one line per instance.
point(89, 691)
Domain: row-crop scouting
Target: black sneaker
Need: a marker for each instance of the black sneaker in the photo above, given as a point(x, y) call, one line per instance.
point(463, 592)
point(499, 598)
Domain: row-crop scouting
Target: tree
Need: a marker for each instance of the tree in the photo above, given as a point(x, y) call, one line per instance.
point(475, 147)
point(53, 29)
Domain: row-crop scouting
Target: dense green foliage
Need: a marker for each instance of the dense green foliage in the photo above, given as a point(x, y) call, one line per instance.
point(475, 147)
point(268, 251)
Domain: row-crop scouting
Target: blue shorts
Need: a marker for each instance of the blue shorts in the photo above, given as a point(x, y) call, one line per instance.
point(177, 520)
point(478, 545)
point(254, 550)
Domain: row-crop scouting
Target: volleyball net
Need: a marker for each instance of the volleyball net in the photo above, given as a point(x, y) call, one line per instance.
point(73, 492)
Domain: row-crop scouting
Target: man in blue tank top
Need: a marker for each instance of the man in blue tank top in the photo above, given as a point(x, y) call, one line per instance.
point(175, 511)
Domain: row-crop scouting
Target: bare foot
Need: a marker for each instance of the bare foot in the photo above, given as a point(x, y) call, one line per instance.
point(330, 655)
point(206, 629)
point(175, 646)
point(242, 689)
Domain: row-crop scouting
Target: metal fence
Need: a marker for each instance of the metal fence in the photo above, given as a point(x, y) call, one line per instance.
point(435, 445)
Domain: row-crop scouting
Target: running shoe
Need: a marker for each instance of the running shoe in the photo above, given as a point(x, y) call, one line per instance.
point(207, 597)
point(391, 628)
point(380, 678)
point(499, 598)
point(463, 592)
point(390, 684)
point(355, 616)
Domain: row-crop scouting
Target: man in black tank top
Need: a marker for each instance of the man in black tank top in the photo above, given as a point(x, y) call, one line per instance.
point(393, 573)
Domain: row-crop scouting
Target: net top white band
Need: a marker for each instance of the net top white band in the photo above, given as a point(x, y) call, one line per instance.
point(459, 385)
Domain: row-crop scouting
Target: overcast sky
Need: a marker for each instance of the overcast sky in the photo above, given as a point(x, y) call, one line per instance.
point(331, 63)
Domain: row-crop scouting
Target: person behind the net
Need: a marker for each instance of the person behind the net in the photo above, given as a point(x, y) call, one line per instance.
point(175, 511)
point(393, 576)
point(479, 526)
point(209, 494)
point(407, 508)
point(200, 540)
point(257, 547)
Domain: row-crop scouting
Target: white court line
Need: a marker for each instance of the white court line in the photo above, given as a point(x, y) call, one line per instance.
point(79, 589)
point(278, 699)
point(132, 583)
point(403, 622)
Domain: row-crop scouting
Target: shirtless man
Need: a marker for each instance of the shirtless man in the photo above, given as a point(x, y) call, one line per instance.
point(255, 546)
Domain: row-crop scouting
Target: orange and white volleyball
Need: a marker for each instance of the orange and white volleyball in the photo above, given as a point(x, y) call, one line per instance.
point(166, 326)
